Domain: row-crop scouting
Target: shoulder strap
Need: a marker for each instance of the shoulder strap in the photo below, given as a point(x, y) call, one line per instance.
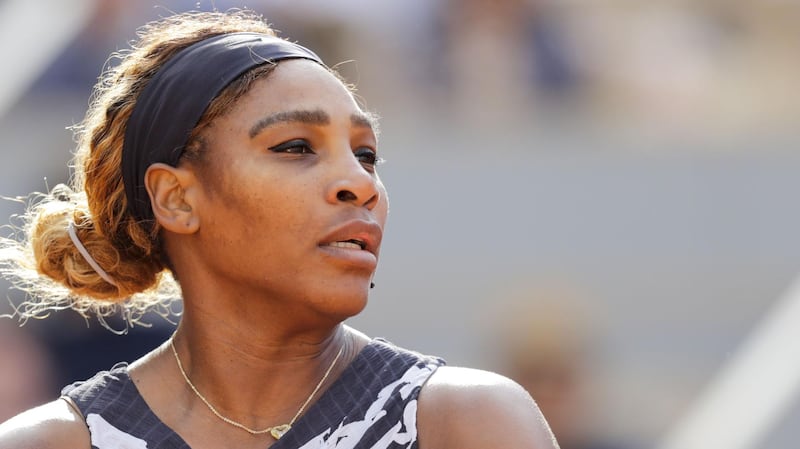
point(372, 405)
point(117, 415)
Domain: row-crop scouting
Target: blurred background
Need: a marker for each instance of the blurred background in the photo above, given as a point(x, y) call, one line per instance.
point(595, 198)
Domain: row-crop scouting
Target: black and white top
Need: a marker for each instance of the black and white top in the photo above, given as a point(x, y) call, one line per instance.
point(373, 405)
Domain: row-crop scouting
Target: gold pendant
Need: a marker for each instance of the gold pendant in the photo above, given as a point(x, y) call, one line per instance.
point(278, 431)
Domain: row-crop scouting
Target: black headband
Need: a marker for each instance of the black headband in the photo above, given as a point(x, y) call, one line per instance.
point(173, 101)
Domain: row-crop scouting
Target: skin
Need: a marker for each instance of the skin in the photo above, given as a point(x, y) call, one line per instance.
point(288, 170)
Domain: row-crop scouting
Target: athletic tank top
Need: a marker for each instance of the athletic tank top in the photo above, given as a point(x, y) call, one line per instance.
point(372, 405)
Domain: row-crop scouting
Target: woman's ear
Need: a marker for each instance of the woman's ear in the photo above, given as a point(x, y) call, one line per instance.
point(170, 189)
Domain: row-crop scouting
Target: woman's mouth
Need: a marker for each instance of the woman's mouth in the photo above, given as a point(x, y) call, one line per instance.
point(349, 244)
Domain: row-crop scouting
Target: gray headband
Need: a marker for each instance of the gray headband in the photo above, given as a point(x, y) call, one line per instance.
point(175, 98)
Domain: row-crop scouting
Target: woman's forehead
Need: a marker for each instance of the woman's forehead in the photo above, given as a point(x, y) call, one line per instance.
point(305, 85)
point(296, 92)
point(301, 92)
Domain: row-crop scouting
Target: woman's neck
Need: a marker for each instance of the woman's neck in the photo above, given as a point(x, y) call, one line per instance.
point(256, 380)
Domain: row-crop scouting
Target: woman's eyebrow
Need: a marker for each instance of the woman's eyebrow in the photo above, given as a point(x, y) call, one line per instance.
point(312, 117)
point(365, 120)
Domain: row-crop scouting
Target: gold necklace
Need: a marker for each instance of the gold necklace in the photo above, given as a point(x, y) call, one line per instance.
point(276, 431)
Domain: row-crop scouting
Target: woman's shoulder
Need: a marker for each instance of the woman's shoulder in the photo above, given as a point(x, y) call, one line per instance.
point(61, 423)
point(52, 425)
point(479, 409)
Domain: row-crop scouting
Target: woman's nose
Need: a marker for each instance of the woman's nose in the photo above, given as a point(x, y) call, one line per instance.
point(352, 183)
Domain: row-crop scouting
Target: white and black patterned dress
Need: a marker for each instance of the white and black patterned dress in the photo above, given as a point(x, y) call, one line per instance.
point(373, 405)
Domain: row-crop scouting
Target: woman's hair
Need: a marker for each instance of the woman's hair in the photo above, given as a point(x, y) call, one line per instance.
point(43, 261)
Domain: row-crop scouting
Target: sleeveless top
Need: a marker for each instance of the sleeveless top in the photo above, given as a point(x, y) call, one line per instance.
point(372, 405)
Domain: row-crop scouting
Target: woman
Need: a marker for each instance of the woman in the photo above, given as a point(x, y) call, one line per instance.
point(237, 163)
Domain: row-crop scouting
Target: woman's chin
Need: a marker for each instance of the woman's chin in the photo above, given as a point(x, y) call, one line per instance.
point(350, 306)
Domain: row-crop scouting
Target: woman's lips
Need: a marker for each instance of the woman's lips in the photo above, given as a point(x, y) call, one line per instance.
point(357, 234)
point(355, 242)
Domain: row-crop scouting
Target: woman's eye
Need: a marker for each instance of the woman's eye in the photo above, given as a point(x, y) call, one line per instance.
point(297, 146)
point(367, 156)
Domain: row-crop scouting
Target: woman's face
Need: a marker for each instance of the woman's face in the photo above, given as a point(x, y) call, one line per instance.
point(291, 206)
